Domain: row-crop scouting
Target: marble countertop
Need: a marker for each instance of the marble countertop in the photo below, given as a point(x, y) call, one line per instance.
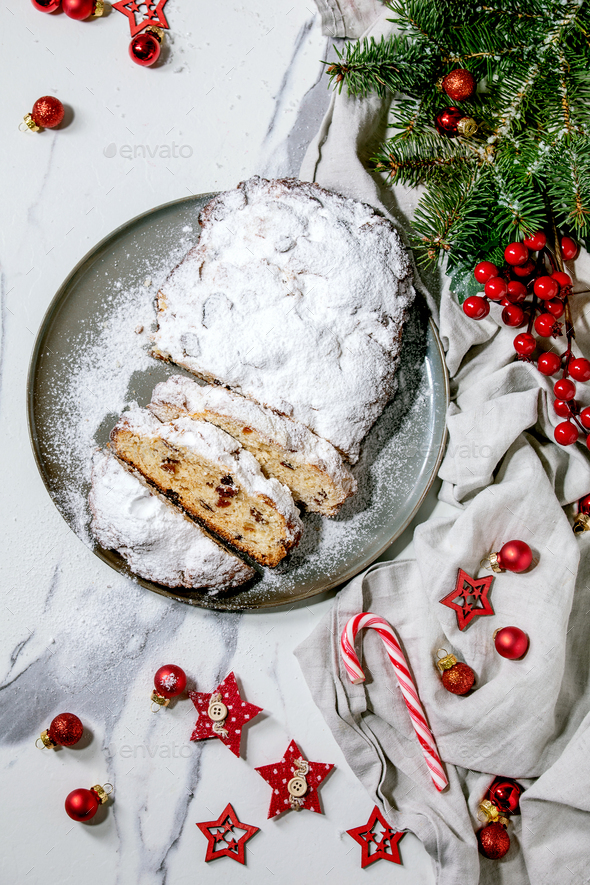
point(240, 91)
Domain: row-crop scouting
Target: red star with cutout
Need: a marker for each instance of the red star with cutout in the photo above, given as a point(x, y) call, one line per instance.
point(239, 712)
point(153, 15)
point(467, 589)
point(280, 773)
point(386, 843)
point(223, 834)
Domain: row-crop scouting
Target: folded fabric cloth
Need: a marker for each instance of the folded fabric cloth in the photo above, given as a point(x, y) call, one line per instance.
point(507, 478)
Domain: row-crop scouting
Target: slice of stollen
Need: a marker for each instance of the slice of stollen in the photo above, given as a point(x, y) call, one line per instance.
point(156, 539)
point(208, 473)
point(288, 451)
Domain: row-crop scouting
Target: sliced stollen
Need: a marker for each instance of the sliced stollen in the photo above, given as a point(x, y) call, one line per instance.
point(157, 540)
point(288, 451)
point(208, 473)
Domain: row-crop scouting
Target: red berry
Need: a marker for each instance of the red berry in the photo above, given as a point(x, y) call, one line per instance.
point(524, 344)
point(516, 292)
point(569, 248)
point(585, 418)
point(536, 241)
point(563, 409)
point(556, 308)
point(496, 288)
point(564, 389)
point(476, 307)
point(512, 315)
point(524, 271)
point(546, 288)
point(565, 433)
point(516, 253)
point(544, 324)
point(563, 280)
point(548, 364)
point(484, 271)
point(579, 369)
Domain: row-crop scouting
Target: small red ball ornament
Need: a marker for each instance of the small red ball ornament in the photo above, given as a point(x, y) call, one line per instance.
point(145, 48)
point(65, 731)
point(516, 292)
point(548, 364)
point(459, 84)
point(46, 5)
point(47, 113)
point(496, 288)
point(569, 249)
point(512, 315)
point(452, 122)
point(562, 408)
point(81, 9)
point(564, 389)
point(524, 344)
point(546, 326)
point(494, 841)
point(484, 271)
point(511, 643)
point(505, 795)
point(546, 288)
point(516, 254)
point(82, 805)
point(169, 682)
point(579, 369)
point(566, 433)
point(555, 308)
point(536, 242)
point(476, 307)
point(514, 556)
point(457, 677)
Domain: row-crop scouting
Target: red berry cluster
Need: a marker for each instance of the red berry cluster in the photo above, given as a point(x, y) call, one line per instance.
point(534, 293)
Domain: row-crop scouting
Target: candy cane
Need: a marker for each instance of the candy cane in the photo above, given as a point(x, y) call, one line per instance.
point(406, 684)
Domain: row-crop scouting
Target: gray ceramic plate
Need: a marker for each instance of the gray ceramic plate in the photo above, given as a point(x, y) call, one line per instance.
point(91, 358)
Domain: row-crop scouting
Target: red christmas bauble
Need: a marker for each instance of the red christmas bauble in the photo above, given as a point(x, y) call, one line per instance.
point(511, 643)
point(82, 804)
point(564, 389)
point(546, 288)
point(585, 418)
point(446, 121)
point(548, 364)
point(170, 681)
point(566, 433)
point(536, 242)
point(579, 369)
point(516, 292)
point(493, 840)
point(524, 344)
point(562, 408)
point(48, 112)
point(584, 503)
point(484, 271)
point(496, 288)
point(512, 315)
point(525, 270)
point(516, 254)
point(145, 49)
point(569, 249)
point(515, 556)
point(66, 729)
point(505, 795)
point(555, 308)
point(46, 5)
point(459, 678)
point(459, 84)
point(476, 307)
point(80, 9)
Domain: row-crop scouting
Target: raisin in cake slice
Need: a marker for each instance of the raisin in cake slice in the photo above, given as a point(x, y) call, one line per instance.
point(288, 451)
point(295, 297)
point(208, 473)
point(155, 538)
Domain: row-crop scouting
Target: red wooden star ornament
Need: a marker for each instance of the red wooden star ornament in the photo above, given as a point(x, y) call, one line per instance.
point(148, 14)
point(220, 834)
point(377, 833)
point(469, 598)
point(294, 782)
point(222, 714)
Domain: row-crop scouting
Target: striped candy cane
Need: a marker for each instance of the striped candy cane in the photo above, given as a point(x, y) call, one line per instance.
point(406, 684)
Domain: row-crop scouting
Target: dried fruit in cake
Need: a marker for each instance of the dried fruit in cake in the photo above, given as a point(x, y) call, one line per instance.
point(206, 472)
point(155, 538)
point(288, 451)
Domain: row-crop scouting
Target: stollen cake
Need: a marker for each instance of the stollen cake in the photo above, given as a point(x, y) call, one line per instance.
point(208, 473)
point(288, 451)
point(295, 297)
point(154, 537)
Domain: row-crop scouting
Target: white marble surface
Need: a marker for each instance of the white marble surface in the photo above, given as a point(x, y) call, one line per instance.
point(238, 94)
